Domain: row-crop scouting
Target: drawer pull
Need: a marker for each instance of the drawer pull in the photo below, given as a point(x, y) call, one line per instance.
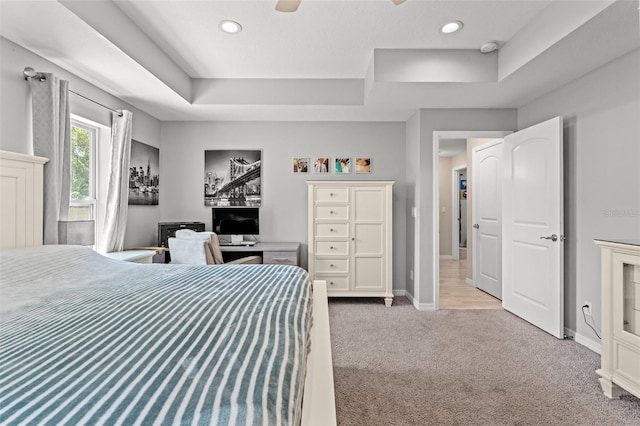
point(330, 211)
point(332, 248)
point(332, 265)
point(331, 283)
point(330, 229)
point(331, 194)
point(281, 259)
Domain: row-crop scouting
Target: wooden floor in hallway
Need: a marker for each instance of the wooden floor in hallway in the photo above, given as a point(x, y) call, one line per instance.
point(455, 293)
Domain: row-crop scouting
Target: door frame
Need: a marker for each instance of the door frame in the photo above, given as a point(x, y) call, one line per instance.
point(455, 212)
point(448, 134)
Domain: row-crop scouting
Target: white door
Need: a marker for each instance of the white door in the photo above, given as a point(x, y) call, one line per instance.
point(533, 231)
point(487, 213)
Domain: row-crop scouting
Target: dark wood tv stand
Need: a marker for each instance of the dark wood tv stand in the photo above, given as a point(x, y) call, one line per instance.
point(279, 253)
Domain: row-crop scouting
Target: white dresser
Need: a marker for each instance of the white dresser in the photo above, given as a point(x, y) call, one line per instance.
point(620, 360)
point(350, 244)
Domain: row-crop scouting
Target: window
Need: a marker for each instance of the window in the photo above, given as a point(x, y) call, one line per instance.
point(82, 205)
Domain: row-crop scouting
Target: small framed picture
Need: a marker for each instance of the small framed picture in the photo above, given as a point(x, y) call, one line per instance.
point(300, 164)
point(342, 165)
point(321, 165)
point(363, 164)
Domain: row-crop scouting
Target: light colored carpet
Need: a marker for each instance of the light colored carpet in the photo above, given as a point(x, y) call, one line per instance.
point(399, 366)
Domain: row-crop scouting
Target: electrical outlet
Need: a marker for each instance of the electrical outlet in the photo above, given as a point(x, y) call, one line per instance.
point(587, 308)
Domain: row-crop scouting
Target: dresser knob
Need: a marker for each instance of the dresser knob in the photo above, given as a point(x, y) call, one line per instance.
point(331, 194)
point(331, 230)
point(332, 266)
point(330, 211)
point(331, 248)
point(331, 283)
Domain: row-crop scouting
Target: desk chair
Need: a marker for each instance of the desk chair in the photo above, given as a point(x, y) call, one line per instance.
point(201, 248)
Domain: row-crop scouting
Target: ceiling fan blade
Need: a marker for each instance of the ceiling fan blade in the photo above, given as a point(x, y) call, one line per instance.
point(397, 2)
point(288, 5)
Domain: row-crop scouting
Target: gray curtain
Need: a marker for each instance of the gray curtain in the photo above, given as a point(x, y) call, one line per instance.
point(118, 190)
point(52, 139)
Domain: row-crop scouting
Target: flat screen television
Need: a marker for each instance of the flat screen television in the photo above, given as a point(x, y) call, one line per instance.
point(236, 220)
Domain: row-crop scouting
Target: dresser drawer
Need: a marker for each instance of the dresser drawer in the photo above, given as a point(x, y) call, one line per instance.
point(332, 248)
point(280, 257)
point(332, 195)
point(332, 212)
point(332, 230)
point(332, 265)
point(335, 282)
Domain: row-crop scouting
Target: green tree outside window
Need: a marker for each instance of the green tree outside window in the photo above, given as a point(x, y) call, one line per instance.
point(80, 163)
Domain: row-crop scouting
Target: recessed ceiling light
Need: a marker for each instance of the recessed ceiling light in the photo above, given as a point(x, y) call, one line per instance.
point(230, 27)
point(451, 27)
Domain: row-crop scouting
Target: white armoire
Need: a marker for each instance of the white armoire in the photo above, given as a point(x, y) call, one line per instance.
point(350, 230)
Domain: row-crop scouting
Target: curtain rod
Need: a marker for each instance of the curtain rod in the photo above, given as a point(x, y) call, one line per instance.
point(97, 103)
point(31, 73)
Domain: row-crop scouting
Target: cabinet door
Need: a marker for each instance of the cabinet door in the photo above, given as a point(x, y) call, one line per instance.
point(368, 235)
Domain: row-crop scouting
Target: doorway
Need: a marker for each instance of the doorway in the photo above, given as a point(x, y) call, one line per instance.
point(533, 227)
point(458, 210)
point(455, 285)
point(455, 289)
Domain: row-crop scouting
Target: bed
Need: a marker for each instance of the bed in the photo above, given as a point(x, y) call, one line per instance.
point(85, 339)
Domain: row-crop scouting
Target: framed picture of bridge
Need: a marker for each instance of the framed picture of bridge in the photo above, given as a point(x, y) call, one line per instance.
point(232, 178)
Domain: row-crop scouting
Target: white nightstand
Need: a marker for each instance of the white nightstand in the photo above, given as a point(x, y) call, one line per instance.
point(137, 256)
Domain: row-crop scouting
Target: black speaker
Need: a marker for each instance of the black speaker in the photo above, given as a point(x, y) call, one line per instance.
point(167, 230)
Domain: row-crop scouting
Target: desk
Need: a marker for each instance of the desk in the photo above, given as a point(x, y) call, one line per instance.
point(279, 253)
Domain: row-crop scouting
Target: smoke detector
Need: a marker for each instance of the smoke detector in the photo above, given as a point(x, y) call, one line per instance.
point(490, 46)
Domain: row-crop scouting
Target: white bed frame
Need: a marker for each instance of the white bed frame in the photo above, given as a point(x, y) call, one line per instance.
point(21, 213)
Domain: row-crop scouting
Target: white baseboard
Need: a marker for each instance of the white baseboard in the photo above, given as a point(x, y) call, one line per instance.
point(425, 306)
point(420, 306)
point(469, 281)
point(446, 257)
point(584, 341)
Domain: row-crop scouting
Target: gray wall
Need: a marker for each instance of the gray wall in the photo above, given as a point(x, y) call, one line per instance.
point(412, 163)
point(601, 113)
point(283, 214)
point(14, 122)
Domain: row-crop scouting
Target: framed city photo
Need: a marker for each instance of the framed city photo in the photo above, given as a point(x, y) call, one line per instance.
point(363, 164)
point(300, 164)
point(321, 165)
point(144, 174)
point(232, 178)
point(342, 165)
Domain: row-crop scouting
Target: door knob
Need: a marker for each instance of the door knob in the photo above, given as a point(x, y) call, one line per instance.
point(553, 237)
point(475, 225)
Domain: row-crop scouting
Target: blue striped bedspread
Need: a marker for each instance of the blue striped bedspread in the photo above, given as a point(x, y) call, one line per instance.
point(87, 340)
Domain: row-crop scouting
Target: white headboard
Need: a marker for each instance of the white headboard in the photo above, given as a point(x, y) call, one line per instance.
point(20, 199)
